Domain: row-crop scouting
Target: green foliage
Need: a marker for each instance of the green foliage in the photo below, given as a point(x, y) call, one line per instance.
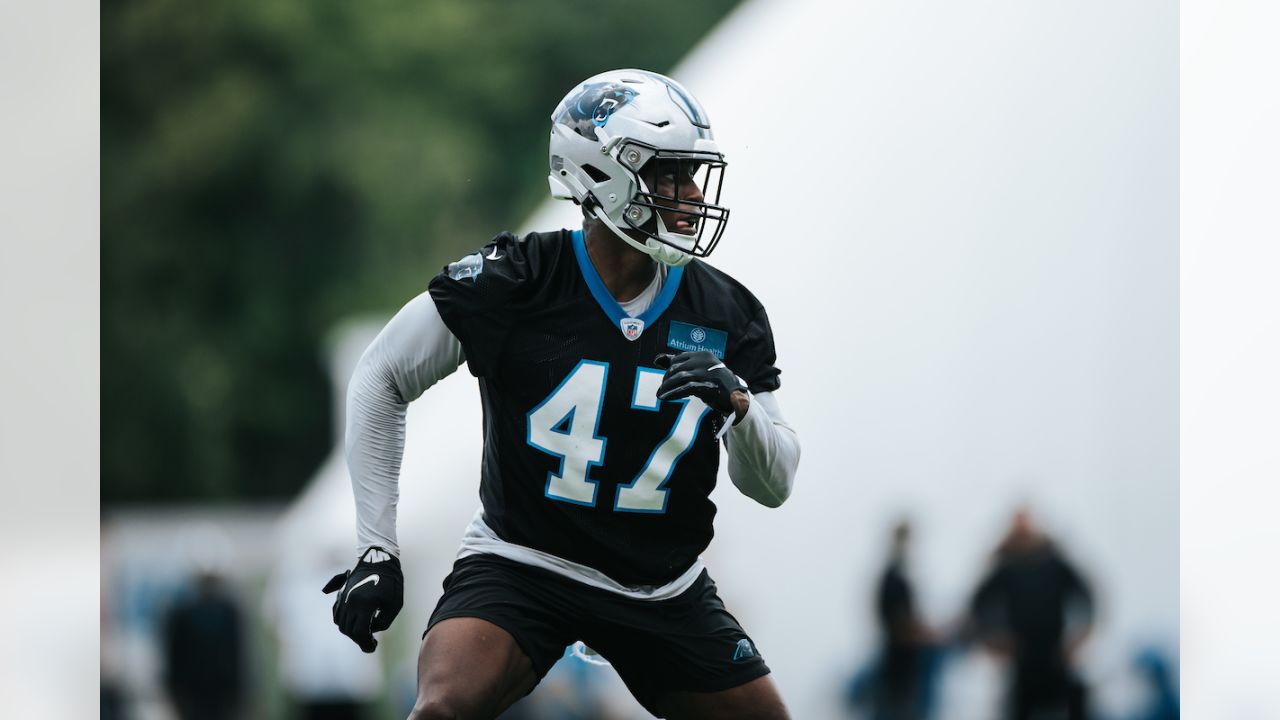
point(270, 167)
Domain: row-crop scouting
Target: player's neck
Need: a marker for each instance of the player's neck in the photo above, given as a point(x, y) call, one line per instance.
point(626, 272)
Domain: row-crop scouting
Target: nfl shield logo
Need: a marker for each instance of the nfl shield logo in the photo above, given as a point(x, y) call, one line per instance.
point(632, 327)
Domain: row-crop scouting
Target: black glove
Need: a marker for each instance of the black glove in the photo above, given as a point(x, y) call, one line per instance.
point(701, 375)
point(369, 597)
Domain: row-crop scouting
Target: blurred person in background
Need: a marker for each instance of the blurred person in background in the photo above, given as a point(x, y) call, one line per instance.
point(1035, 608)
point(901, 682)
point(204, 651)
point(905, 681)
point(614, 333)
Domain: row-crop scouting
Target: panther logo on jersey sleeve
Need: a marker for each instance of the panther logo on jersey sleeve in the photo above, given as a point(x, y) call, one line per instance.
point(468, 268)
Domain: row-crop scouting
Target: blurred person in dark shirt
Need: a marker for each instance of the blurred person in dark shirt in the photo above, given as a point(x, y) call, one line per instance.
point(203, 652)
point(1035, 607)
point(904, 637)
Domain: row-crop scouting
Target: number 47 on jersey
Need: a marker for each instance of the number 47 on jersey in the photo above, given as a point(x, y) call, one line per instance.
point(565, 425)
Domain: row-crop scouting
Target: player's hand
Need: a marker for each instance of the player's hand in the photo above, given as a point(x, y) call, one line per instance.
point(369, 597)
point(699, 374)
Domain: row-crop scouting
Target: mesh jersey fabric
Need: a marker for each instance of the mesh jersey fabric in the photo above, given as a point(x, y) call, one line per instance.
point(526, 319)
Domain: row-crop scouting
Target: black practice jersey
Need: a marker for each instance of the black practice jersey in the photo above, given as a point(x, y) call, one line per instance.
point(581, 460)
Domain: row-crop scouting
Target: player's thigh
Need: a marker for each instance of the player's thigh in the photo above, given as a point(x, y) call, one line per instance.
point(497, 629)
point(683, 652)
point(754, 700)
point(470, 668)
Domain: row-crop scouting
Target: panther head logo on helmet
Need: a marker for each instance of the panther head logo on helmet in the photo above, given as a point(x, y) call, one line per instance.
point(593, 105)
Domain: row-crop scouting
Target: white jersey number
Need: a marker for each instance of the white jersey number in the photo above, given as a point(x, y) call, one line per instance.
point(566, 423)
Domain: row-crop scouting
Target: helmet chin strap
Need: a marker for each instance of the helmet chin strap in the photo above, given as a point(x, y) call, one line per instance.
point(668, 255)
point(661, 252)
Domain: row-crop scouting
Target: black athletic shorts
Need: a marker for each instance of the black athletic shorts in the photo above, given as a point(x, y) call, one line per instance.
point(686, 643)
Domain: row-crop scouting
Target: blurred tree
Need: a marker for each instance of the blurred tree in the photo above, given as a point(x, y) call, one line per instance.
point(271, 167)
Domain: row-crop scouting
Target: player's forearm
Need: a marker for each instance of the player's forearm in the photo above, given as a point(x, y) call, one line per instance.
point(413, 352)
point(764, 452)
point(375, 447)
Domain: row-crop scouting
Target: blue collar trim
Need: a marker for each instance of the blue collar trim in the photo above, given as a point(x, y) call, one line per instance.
point(606, 301)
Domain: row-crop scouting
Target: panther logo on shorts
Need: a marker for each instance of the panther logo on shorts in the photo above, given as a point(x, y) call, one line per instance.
point(744, 651)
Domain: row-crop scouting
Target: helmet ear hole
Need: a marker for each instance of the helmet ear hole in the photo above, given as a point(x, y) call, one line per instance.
point(596, 173)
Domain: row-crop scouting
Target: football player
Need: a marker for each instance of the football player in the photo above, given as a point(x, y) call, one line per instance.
point(612, 363)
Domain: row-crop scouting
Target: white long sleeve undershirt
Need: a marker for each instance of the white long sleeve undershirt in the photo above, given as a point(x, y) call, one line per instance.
point(413, 352)
point(764, 451)
point(416, 350)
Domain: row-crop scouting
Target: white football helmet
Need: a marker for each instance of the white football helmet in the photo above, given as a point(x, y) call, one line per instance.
point(614, 135)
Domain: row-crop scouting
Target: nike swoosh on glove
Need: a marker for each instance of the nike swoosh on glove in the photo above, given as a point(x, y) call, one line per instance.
point(369, 597)
point(699, 374)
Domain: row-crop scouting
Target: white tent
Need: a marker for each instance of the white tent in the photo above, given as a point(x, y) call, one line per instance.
point(962, 218)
